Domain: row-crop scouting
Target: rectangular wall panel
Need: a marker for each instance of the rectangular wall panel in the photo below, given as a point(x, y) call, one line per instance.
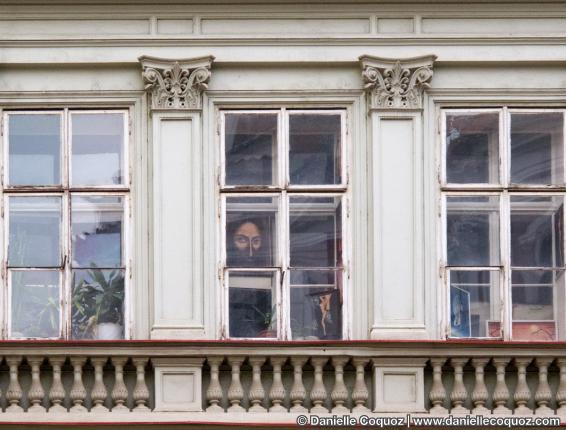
point(177, 291)
point(398, 291)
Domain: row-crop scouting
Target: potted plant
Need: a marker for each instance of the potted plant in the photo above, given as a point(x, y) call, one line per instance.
point(98, 302)
point(269, 321)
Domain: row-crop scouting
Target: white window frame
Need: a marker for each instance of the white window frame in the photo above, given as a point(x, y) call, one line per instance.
point(283, 191)
point(504, 189)
point(66, 191)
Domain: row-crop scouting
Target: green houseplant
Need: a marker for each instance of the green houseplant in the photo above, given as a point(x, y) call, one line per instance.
point(98, 302)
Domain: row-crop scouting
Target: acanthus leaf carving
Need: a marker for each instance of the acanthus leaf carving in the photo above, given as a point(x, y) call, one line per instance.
point(176, 84)
point(394, 83)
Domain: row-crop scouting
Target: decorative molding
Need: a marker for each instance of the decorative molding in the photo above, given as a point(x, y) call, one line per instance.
point(394, 83)
point(176, 84)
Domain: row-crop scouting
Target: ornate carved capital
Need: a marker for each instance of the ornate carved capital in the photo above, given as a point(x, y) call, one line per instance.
point(176, 84)
point(396, 84)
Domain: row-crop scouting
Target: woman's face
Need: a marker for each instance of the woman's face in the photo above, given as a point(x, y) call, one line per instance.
point(247, 239)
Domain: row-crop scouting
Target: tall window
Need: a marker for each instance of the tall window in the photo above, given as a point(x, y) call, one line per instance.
point(66, 187)
point(283, 192)
point(503, 192)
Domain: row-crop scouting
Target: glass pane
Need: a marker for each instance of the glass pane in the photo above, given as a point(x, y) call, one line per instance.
point(537, 231)
point(35, 224)
point(474, 303)
point(315, 229)
point(98, 148)
point(251, 231)
point(98, 304)
point(537, 153)
point(252, 308)
point(472, 230)
point(314, 149)
point(251, 148)
point(472, 148)
point(316, 304)
point(533, 294)
point(35, 303)
point(34, 147)
point(96, 229)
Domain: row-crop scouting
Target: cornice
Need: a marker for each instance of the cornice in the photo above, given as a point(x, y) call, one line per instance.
point(176, 84)
point(396, 84)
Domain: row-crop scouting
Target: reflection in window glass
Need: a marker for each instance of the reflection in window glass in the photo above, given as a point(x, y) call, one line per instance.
point(316, 304)
point(533, 294)
point(34, 232)
point(97, 148)
point(315, 231)
point(474, 304)
point(537, 153)
point(537, 231)
point(97, 304)
point(314, 149)
point(252, 309)
point(472, 148)
point(35, 304)
point(250, 149)
point(96, 231)
point(34, 148)
point(472, 230)
point(251, 225)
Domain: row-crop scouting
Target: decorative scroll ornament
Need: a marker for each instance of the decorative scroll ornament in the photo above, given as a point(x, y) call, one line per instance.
point(176, 84)
point(396, 84)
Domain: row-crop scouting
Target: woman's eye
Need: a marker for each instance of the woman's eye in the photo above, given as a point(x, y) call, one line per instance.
point(241, 239)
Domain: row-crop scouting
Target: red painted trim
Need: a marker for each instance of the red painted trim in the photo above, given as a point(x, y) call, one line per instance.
point(146, 423)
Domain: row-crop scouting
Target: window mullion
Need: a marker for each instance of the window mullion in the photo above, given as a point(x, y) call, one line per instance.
point(284, 251)
point(505, 222)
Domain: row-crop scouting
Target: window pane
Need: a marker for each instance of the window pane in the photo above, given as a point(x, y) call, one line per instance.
point(314, 149)
point(315, 231)
point(534, 293)
point(35, 306)
point(34, 238)
point(251, 148)
point(251, 231)
point(96, 228)
point(97, 148)
point(474, 303)
point(34, 147)
point(472, 148)
point(252, 309)
point(537, 231)
point(316, 304)
point(472, 230)
point(98, 304)
point(537, 154)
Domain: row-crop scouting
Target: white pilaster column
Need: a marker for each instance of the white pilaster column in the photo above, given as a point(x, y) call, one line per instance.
point(395, 101)
point(175, 89)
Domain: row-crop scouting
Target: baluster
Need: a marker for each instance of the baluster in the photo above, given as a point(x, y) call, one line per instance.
point(141, 392)
point(339, 394)
point(235, 391)
point(561, 393)
point(57, 391)
point(214, 391)
point(36, 391)
point(480, 394)
point(522, 392)
point(318, 392)
point(120, 391)
point(277, 391)
point(298, 392)
point(437, 393)
point(14, 392)
point(360, 393)
point(99, 392)
point(501, 392)
point(459, 393)
point(78, 391)
point(543, 394)
point(257, 392)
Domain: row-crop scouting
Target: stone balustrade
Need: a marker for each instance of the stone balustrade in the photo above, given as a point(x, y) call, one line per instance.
point(207, 381)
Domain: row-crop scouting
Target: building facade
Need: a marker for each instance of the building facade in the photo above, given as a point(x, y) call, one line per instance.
point(243, 212)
